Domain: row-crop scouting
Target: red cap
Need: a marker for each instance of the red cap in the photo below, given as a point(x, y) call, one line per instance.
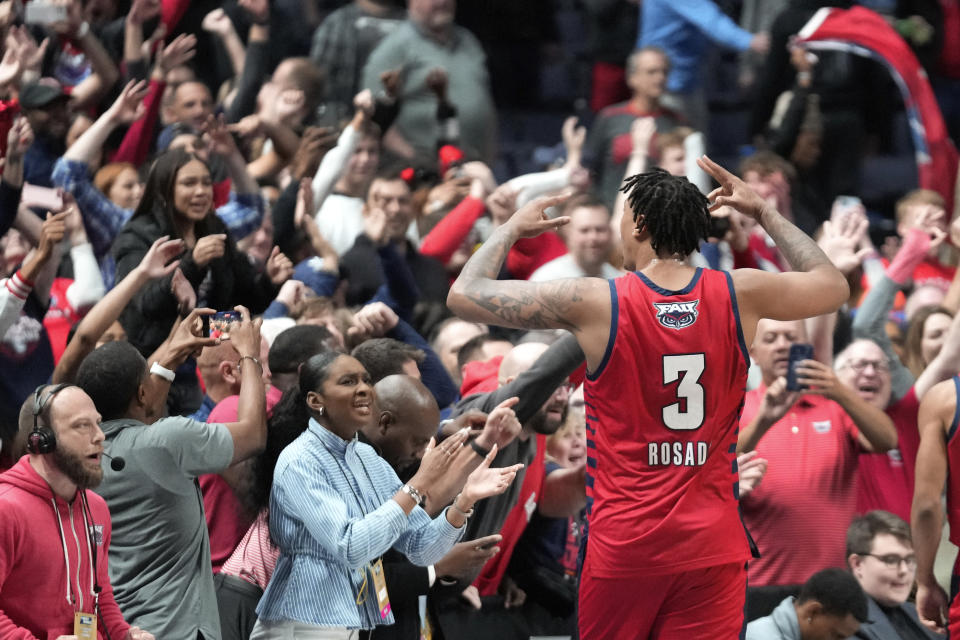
point(447, 155)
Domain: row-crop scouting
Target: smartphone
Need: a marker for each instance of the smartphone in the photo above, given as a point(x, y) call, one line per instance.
point(798, 353)
point(42, 197)
point(219, 324)
point(848, 202)
point(39, 12)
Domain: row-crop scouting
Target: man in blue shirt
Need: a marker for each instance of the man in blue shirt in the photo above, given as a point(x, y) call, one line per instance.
point(682, 30)
point(46, 107)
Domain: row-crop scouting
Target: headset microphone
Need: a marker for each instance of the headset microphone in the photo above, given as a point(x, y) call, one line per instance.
point(116, 463)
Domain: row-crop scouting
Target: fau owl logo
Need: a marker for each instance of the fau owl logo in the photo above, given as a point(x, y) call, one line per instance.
point(677, 315)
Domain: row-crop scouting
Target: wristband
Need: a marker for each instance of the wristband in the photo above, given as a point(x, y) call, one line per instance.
point(483, 453)
point(159, 370)
point(82, 30)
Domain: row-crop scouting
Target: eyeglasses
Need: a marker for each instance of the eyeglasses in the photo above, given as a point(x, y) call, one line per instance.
point(860, 365)
point(893, 561)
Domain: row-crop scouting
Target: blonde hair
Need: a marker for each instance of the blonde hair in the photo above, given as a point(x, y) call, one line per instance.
point(918, 197)
point(575, 421)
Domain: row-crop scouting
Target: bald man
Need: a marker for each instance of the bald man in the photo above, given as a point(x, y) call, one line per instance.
point(406, 421)
point(219, 367)
point(220, 375)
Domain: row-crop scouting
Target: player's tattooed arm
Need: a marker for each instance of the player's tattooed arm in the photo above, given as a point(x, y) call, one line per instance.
point(478, 296)
point(800, 250)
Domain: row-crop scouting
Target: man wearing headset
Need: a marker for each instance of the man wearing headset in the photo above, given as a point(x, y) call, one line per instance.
point(53, 571)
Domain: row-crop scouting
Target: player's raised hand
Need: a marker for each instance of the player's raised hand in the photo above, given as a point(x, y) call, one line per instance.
point(531, 219)
point(732, 191)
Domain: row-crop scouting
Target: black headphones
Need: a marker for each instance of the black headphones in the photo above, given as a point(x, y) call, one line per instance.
point(42, 439)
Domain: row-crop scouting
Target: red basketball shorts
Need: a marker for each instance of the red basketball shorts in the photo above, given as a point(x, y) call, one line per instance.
point(703, 603)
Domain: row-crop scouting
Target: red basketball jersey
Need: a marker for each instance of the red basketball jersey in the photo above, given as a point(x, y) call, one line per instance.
point(662, 420)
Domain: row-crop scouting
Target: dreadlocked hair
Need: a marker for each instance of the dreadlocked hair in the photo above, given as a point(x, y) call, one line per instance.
point(674, 211)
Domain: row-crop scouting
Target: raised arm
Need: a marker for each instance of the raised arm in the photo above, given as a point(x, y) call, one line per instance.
point(642, 131)
point(839, 242)
point(256, 60)
point(139, 137)
point(578, 304)
point(108, 310)
point(18, 287)
point(815, 287)
point(125, 109)
point(135, 50)
point(219, 23)
point(19, 139)
point(249, 432)
point(303, 220)
point(105, 73)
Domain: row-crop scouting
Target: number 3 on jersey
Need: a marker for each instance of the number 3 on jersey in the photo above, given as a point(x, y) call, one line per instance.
point(688, 413)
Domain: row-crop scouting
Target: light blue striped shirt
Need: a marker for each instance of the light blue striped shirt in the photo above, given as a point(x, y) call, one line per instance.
point(327, 539)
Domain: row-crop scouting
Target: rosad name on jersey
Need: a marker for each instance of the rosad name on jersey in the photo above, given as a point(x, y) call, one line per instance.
point(678, 454)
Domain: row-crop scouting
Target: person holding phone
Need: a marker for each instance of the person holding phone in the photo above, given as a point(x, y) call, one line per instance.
point(178, 201)
point(812, 436)
point(167, 586)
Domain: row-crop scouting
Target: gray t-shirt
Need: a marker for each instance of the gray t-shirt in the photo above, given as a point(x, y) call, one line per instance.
point(469, 88)
point(160, 551)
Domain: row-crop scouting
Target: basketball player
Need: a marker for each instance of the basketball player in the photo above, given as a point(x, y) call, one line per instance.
point(937, 461)
point(666, 350)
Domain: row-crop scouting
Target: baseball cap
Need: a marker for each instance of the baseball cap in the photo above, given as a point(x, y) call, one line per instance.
point(41, 93)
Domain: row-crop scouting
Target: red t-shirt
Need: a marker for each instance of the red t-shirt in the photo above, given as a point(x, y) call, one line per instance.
point(885, 480)
point(662, 414)
point(799, 514)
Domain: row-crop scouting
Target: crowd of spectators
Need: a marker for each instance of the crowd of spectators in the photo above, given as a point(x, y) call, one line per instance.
point(325, 168)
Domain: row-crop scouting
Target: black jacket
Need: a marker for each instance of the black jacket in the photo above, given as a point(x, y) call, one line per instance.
point(151, 314)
